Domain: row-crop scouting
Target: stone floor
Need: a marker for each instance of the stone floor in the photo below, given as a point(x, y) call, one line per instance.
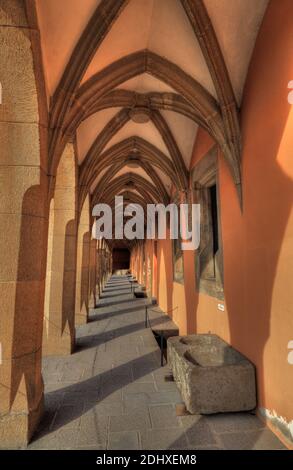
point(112, 393)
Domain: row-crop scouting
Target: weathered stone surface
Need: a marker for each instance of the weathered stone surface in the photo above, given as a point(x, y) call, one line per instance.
point(59, 332)
point(23, 239)
point(212, 376)
point(16, 428)
point(123, 440)
point(82, 266)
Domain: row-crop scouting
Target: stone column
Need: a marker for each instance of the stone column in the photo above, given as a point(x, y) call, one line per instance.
point(92, 273)
point(59, 329)
point(98, 271)
point(82, 265)
point(23, 236)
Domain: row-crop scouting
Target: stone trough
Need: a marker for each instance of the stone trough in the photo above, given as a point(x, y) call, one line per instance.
point(211, 375)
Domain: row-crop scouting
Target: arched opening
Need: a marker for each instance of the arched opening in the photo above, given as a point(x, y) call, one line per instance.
point(156, 102)
point(121, 260)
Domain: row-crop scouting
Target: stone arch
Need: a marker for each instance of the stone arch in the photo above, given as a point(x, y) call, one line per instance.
point(129, 198)
point(204, 31)
point(115, 168)
point(97, 28)
point(145, 61)
point(156, 100)
point(129, 180)
point(115, 124)
point(117, 153)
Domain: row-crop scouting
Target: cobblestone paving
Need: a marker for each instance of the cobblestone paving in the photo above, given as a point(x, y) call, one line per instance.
point(112, 393)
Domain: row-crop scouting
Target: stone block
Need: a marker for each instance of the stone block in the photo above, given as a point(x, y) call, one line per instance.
point(212, 376)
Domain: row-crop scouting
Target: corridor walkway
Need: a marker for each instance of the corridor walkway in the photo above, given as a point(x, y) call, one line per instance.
point(112, 393)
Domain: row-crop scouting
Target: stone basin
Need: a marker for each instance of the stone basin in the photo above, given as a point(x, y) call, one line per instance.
point(212, 376)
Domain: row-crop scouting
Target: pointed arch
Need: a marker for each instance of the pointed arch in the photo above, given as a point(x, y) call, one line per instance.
point(117, 166)
point(147, 62)
point(97, 28)
point(113, 127)
point(148, 152)
point(207, 38)
point(126, 181)
point(155, 100)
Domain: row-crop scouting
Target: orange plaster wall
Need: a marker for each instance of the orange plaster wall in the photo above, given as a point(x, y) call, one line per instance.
point(258, 242)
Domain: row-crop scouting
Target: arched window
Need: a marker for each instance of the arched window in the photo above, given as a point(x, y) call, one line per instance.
point(209, 256)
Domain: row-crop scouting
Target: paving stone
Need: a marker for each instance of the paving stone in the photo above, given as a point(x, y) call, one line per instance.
point(144, 378)
point(156, 439)
point(207, 447)
point(47, 420)
point(199, 433)
point(113, 394)
point(88, 374)
point(91, 436)
point(90, 447)
point(109, 409)
point(122, 370)
point(153, 350)
point(162, 386)
point(234, 422)
point(68, 417)
point(163, 416)
point(139, 387)
point(130, 422)
point(54, 387)
point(161, 372)
point(72, 398)
point(91, 399)
point(50, 377)
point(252, 440)
point(53, 399)
point(89, 385)
point(136, 401)
point(93, 428)
point(166, 396)
point(64, 439)
point(190, 420)
point(116, 382)
point(126, 440)
point(110, 393)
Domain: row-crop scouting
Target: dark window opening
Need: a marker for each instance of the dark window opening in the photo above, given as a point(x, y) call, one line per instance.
point(214, 214)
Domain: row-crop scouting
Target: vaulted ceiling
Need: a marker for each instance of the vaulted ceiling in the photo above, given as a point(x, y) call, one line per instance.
point(134, 79)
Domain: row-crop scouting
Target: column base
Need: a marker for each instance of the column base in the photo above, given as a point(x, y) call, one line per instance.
point(81, 319)
point(58, 346)
point(92, 301)
point(17, 428)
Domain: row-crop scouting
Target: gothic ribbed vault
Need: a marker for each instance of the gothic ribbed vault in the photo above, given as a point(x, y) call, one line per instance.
point(122, 90)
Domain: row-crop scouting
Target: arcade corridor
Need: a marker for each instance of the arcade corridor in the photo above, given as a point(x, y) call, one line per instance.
point(154, 104)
